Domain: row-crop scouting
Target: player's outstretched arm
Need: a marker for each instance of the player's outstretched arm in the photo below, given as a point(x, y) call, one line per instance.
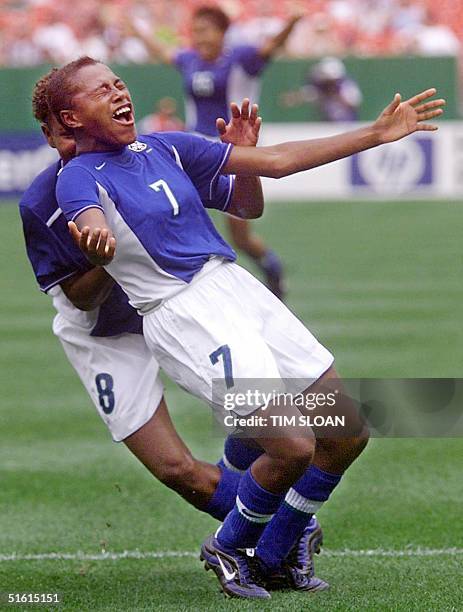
point(243, 130)
point(271, 46)
point(398, 119)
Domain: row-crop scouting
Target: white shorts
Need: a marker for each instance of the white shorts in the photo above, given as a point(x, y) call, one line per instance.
point(119, 373)
point(228, 318)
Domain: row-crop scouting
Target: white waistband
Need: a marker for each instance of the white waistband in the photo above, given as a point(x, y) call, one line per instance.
point(210, 265)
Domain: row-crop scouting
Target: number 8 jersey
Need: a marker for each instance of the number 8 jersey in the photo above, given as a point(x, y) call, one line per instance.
point(153, 194)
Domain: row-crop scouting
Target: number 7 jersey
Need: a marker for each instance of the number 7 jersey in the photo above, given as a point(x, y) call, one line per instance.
point(153, 194)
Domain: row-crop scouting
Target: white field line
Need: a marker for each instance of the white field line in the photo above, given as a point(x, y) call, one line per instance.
point(174, 554)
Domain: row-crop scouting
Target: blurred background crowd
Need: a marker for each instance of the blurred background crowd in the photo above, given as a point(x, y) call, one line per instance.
point(33, 32)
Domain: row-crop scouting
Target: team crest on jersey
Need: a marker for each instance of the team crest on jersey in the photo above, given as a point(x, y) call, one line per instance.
point(137, 146)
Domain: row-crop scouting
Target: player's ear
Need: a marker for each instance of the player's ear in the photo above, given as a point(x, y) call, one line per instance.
point(70, 119)
point(46, 132)
point(48, 135)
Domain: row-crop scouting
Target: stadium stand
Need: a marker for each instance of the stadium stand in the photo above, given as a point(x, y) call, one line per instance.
point(37, 31)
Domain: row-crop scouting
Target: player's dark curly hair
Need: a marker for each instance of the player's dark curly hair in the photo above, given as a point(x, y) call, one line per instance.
point(62, 86)
point(40, 106)
point(215, 15)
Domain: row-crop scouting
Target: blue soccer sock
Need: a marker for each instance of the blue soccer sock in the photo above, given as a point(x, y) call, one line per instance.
point(302, 500)
point(224, 497)
point(238, 456)
point(254, 508)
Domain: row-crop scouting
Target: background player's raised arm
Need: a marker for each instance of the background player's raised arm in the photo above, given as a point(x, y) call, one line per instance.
point(159, 51)
point(274, 43)
point(398, 119)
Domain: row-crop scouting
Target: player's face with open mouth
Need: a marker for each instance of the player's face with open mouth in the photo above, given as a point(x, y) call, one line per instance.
point(104, 108)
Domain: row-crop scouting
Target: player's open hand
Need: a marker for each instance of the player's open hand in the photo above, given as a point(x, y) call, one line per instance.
point(244, 126)
point(400, 119)
point(98, 246)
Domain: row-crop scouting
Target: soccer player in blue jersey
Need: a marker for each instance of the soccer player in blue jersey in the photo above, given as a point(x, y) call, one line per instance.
point(204, 317)
point(101, 335)
point(213, 76)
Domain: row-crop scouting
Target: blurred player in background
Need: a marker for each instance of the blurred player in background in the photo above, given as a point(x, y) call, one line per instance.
point(213, 76)
point(164, 118)
point(336, 95)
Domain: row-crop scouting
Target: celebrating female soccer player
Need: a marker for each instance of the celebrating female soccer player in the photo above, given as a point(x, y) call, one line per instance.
point(204, 317)
point(213, 75)
point(102, 337)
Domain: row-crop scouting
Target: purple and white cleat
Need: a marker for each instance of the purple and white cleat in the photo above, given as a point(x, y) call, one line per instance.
point(300, 561)
point(233, 568)
point(297, 572)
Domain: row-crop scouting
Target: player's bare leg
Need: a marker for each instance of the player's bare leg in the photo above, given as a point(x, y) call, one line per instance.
point(260, 493)
point(247, 241)
point(159, 447)
point(336, 454)
point(283, 462)
point(288, 544)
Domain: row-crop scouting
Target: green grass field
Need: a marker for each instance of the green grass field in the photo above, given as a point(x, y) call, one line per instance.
point(380, 285)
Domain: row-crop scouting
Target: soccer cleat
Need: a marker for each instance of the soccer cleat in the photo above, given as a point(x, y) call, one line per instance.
point(297, 572)
point(300, 561)
point(234, 570)
point(273, 269)
point(295, 579)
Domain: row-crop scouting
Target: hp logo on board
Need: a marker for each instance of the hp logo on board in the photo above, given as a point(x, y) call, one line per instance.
point(397, 168)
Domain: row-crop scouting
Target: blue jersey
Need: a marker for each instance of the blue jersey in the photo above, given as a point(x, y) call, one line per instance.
point(153, 194)
point(339, 101)
point(55, 257)
point(211, 86)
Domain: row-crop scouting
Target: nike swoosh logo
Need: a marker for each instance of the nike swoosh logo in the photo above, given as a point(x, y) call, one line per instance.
point(100, 167)
point(228, 575)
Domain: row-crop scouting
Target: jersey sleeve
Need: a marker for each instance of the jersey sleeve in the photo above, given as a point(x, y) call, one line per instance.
point(222, 193)
point(249, 59)
point(203, 160)
point(50, 263)
point(181, 58)
point(76, 191)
